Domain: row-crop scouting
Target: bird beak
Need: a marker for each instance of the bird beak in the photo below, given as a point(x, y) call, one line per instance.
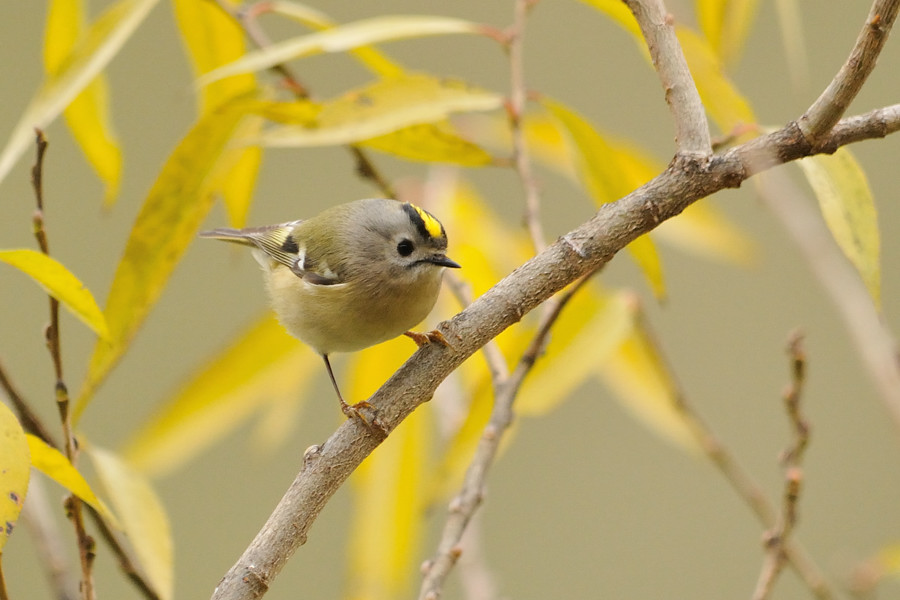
point(442, 261)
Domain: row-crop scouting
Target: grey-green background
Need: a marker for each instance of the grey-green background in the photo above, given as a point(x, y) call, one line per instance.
point(586, 503)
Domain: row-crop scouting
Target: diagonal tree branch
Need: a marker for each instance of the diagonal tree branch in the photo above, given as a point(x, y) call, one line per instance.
point(691, 126)
point(578, 253)
point(831, 105)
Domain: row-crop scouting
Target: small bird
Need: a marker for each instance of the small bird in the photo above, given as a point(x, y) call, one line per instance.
point(355, 275)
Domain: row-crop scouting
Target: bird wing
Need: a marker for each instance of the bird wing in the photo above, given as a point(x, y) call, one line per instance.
point(274, 240)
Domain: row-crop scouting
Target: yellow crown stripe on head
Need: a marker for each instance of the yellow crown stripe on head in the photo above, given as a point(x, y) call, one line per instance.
point(432, 225)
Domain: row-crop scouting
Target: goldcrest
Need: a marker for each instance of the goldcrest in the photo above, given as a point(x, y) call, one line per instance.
point(353, 276)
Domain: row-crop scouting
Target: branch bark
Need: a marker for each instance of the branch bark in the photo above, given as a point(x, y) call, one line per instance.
point(581, 251)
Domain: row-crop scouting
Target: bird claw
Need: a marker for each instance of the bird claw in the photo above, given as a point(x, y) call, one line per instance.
point(366, 413)
point(424, 339)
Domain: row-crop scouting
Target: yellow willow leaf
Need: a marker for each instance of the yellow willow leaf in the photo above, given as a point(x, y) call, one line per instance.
point(723, 101)
point(144, 518)
point(166, 224)
point(705, 231)
point(591, 326)
point(263, 365)
point(101, 42)
point(847, 205)
point(388, 517)
point(88, 114)
point(619, 13)
point(790, 25)
point(607, 174)
point(233, 178)
point(52, 463)
point(342, 39)
point(60, 283)
point(15, 471)
point(296, 112)
point(213, 38)
point(384, 107)
point(643, 385)
point(888, 560)
point(371, 58)
point(726, 23)
point(430, 142)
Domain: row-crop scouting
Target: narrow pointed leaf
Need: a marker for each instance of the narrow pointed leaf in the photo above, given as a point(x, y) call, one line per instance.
point(847, 205)
point(607, 174)
point(234, 176)
point(100, 44)
point(590, 327)
point(387, 527)
point(168, 221)
point(619, 13)
point(384, 107)
point(15, 471)
point(371, 58)
point(54, 464)
point(143, 516)
point(88, 114)
point(343, 38)
point(644, 386)
point(726, 24)
point(430, 142)
point(263, 365)
point(60, 283)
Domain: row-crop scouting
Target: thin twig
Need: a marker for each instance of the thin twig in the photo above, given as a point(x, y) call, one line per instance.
point(777, 537)
point(464, 506)
point(29, 419)
point(876, 344)
point(740, 480)
point(831, 105)
point(47, 540)
point(73, 504)
point(691, 127)
point(516, 112)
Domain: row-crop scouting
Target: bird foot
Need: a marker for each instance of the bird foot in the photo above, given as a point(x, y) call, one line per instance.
point(432, 337)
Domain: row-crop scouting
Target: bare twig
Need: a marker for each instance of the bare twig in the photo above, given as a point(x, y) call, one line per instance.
point(48, 544)
point(742, 483)
point(875, 343)
point(691, 128)
point(576, 254)
point(831, 105)
point(73, 504)
point(465, 504)
point(29, 419)
point(776, 538)
point(516, 111)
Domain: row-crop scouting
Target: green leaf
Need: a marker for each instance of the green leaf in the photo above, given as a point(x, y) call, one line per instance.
point(100, 44)
point(15, 471)
point(168, 221)
point(52, 463)
point(263, 366)
point(144, 518)
point(343, 38)
point(384, 107)
point(847, 205)
point(60, 283)
point(88, 114)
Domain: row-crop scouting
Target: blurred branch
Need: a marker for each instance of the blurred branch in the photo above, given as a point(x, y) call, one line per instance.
point(466, 503)
point(247, 17)
point(830, 106)
point(691, 128)
point(742, 483)
point(777, 537)
point(47, 541)
point(516, 112)
point(876, 344)
point(29, 419)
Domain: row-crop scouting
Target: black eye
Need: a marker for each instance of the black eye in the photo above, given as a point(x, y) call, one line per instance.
point(405, 248)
